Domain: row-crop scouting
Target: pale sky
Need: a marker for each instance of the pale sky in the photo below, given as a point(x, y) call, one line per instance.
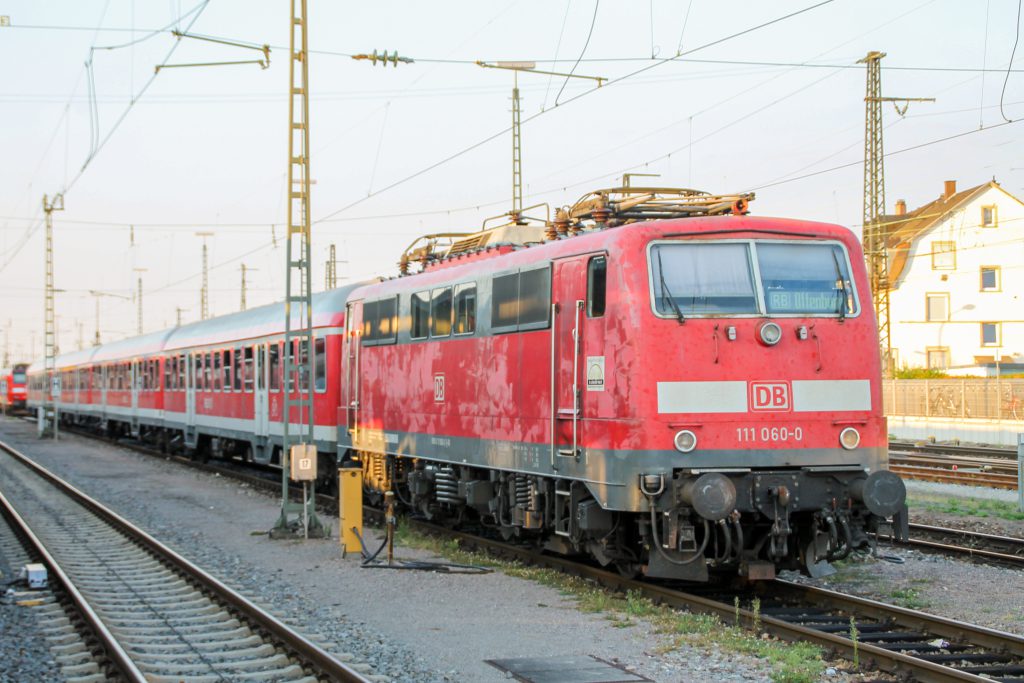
point(204, 149)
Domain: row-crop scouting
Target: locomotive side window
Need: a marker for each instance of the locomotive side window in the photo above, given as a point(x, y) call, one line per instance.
point(505, 301)
point(441, 312)
point(534, 297)
point(597, 279)
point(419, 308)
point(521, 301)
point(320, 357)
point(703, 279)
point(805, 278)
point(465, 308)
point(379, 322)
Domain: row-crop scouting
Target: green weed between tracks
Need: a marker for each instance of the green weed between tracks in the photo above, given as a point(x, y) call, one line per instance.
point(968, 507)
point(789, 662)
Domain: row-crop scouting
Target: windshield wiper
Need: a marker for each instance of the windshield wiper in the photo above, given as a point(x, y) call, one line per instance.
point(841, 286)
point(665, 291)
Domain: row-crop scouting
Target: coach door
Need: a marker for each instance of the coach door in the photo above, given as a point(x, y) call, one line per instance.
point(568, 298)
point(350, 367)
point(190, 391)
point(261, 410)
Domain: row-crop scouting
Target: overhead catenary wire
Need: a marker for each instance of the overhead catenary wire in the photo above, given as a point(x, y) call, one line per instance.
point(574, 98)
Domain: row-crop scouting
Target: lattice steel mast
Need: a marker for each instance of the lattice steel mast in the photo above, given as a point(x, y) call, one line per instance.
point(49, 417)
point(331, 272)
point(873, 234)
point(204, 290)
point(517, 151)
point(298, 401)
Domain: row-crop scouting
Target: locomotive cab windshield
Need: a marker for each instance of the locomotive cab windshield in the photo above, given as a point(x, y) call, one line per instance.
point(751, 278)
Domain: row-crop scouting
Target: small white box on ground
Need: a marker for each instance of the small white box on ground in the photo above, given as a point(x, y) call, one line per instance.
point(303, 462)
point(34, 575)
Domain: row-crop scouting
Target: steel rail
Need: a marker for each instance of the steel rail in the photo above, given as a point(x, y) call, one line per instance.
point(994, 451)
point(306, 650)
point(970, 543)
point(113, 649)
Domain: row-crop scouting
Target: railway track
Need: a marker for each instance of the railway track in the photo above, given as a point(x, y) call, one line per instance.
point(889, 638)
point(971, 471)
point(951, 449)
point(152, 614)
point(1002, 550)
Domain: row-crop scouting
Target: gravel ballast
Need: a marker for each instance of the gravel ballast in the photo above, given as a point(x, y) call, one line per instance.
point(406, 626)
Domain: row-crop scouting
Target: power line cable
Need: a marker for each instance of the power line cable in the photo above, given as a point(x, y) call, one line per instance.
point(1012, 55)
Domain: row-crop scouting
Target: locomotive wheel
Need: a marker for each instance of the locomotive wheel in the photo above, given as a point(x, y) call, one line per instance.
point(629, 570)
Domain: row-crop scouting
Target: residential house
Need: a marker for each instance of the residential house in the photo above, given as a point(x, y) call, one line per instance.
point(956, 274)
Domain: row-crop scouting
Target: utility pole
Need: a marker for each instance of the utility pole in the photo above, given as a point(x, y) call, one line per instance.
point(517, 144)
point(245, 269)
point(178, 310)
point(81, 334)
point(331, 272)
point(298, 291)
point(7, 344)
point(873, 234)
point(138, 299)
point(48, 418)
point(97, 295)
point(204, 291)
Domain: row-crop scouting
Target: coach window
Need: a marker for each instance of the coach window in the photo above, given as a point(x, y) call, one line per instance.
point(303, 369)
point(441, 312)
point(419, 304)
point(182, 370)
point(197, 374)
point(248, 369)
point(465, 308)
point(209, 371)
point(597, 283)
point(216, 371)
point(274, 356)
point(238, 369)
point(226, 369)
point(320, 352)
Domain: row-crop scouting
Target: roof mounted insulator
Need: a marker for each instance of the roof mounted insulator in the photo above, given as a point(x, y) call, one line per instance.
point(601, 213)
point(560, 227)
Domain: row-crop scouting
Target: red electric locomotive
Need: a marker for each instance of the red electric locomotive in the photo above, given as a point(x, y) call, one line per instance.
point(13, 391)
point(666, 395)
point(652, 378)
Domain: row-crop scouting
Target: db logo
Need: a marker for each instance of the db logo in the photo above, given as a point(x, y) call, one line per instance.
point(769, 396)
point(439, 387)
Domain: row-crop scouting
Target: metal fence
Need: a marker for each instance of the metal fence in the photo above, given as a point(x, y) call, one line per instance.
point(989, 399)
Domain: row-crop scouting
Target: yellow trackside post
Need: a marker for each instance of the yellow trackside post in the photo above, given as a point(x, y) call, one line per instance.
point(350, 508)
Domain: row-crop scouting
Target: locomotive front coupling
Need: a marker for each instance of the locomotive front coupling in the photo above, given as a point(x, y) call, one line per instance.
point(799, 518)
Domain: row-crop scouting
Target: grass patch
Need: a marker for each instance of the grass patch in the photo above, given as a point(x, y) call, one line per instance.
point(908, 597)
point(789, 662)
point(968, 507)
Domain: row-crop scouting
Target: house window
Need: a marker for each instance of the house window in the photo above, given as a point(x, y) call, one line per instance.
point(990, 278)
point(989, 216)
point(990, 334)
point(938, 358)
point(936, 307)
point(943, 255)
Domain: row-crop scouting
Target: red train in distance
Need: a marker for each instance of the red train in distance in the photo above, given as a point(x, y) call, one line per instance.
point(653, 379)
point(13, 390)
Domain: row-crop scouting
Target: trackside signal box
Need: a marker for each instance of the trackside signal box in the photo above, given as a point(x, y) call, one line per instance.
point(303, 462)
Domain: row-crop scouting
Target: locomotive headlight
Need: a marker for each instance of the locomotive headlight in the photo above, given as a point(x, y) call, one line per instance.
point(685, 441)
point(769, 333)
point(849, 438)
